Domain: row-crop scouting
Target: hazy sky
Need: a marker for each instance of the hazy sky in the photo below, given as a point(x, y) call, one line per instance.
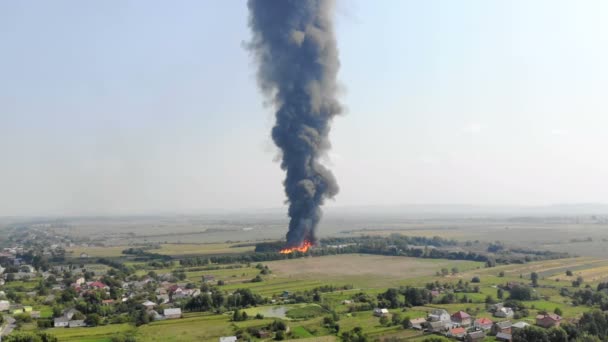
point(143, 106)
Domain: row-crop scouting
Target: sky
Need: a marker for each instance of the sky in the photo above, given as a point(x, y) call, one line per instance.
point(131, 107)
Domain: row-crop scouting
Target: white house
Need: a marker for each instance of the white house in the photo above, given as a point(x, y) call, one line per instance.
point(172, 313)
point(504, 312)
point(228, 339)
point(4, 305)
point(440, 315)
point(77, 323)
point(61, 322)
point(380, 312)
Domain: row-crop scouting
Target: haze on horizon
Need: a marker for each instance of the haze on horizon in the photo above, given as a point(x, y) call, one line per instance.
point(126, 107)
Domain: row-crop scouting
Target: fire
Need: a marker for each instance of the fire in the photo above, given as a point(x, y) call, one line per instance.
point(301, 248)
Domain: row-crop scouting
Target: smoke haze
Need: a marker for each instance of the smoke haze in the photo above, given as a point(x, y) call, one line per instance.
point(295, 47)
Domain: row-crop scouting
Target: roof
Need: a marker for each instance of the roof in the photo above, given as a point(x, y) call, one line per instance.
point(148, 303)
point(439, 312)
point(173, 311)
point(98, 284)
point(461, 315)
point(520, 325)
point(504, 324)
point(477, 334)
point(61, 319)
point(458, 331)
point(484, 321)
point(228, 339)
point(553, 317)
point(504, 336)
point(418, 320)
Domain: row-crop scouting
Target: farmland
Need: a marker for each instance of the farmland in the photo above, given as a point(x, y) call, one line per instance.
point(304, 291)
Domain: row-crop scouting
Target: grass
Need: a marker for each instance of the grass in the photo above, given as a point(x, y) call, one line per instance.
point(306, 311)
point(173, 249)
point(97, 334)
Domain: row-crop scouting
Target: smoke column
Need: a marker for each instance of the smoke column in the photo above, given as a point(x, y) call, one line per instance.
point(295, 47)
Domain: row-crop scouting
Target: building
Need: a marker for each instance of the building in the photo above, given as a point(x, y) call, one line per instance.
point(172, 313)
point(76, 323)
point(380, 312)
point(519, 325)
point(457, 332)
point(502, 327)
point(4, 305)
point(461, 318)
point(149, 305)
point(475, 336)
point(418, 323)
point(504, 312)
point(483, 323)
point(228, 339)
point(548, 320)
point(61, 322)
point(440, 315)
point(503, 337)
point(208, 278)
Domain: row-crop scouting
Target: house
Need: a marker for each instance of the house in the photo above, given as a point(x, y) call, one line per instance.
point(519, 325)
point(149, 305)
point(347, 302)
point(438, 326)
point(4, 305)
point(228, 339)
point(461, 318)
point(163, 298)
point(496, 307)
point(108, 301)
point(503, 337)
point(548, 320)
point(98, 285)
point(475, 336)
point(76, 323)
point(418, 323)
point(483, 323)
point(440, 315)
point(501, 327)
point(83, 255)
point(60, 322)
point(80, 281)
point(156, 315)
point(380, 312)
point(263, 334)
point(208, 278)
point(504, 313)
point(70, 313)
point(457, 332)
point(172, 313)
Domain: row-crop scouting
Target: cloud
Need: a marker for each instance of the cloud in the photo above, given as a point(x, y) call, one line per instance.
point(473, 128)
point(559, 132)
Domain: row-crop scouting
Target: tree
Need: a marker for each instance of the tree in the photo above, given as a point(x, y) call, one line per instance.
point(92, 320)
point(520, 292)
point(500, 293)
point(406, 323)
point(568, 273)
point(396, 319)
point(534, 278)
point(280, 336)
point(501, 274)
point(383, 320)
point(556, 334)
point(558, 311)
point(475, 279)
point(530, 334)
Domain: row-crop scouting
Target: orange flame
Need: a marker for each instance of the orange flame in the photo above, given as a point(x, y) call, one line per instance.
point(301, 248)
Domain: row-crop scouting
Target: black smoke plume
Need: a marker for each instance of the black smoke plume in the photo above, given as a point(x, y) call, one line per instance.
point(295, 47)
